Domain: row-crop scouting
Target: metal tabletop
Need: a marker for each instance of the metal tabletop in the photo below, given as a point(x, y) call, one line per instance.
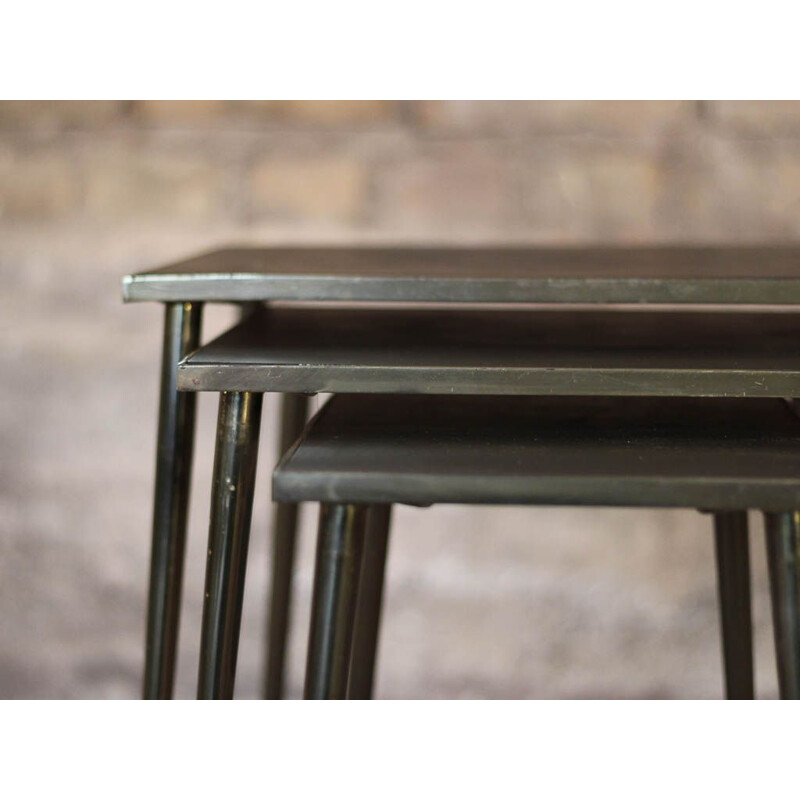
point(718, 275)
point(496, 351)
point(719, 453)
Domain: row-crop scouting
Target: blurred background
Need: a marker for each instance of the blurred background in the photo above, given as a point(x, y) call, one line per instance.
point(480, 602)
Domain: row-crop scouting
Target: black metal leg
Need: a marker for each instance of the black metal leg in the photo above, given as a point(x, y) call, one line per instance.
point(333, 605)
point(294, 412)
point(783, 557)
point(229, 532)
point(733, 587)
point(182, 323)
point(370, 599)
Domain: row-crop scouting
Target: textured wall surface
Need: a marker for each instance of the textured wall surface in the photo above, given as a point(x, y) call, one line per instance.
point(481, 602)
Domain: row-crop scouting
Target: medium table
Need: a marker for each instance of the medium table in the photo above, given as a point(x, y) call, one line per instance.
point(749, 354)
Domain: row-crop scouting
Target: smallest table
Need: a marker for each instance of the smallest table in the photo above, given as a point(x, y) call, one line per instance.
point(721, 455)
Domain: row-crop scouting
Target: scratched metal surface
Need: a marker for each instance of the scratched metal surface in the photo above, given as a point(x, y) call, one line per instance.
point(475, 351)
point(716, 454)
point(667, 274)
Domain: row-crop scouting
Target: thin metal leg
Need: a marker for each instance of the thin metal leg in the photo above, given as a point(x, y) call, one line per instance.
point(182, 323)
point(783, 557)
point(370, 599)
point(333, 605)
point(229, 532)
point(733, 587)
point(294, 412)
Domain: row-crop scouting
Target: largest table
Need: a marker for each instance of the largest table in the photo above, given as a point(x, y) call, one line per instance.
point(723, 277)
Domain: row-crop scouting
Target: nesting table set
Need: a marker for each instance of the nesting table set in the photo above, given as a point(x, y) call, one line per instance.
point(656, 377)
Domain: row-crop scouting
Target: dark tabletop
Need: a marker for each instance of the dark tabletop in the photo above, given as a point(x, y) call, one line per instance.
point(712, 454)
point(496, 351)
point(724, 275)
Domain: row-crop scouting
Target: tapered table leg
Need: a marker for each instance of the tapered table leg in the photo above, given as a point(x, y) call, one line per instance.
point(294, 412)
point(229, 532)
point(333, 605)
point(733, 585)
point(783, 557)
point(370, 600)
point(182, 323)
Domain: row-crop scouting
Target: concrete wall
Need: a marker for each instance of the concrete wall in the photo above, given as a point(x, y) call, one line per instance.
point(481, 603)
